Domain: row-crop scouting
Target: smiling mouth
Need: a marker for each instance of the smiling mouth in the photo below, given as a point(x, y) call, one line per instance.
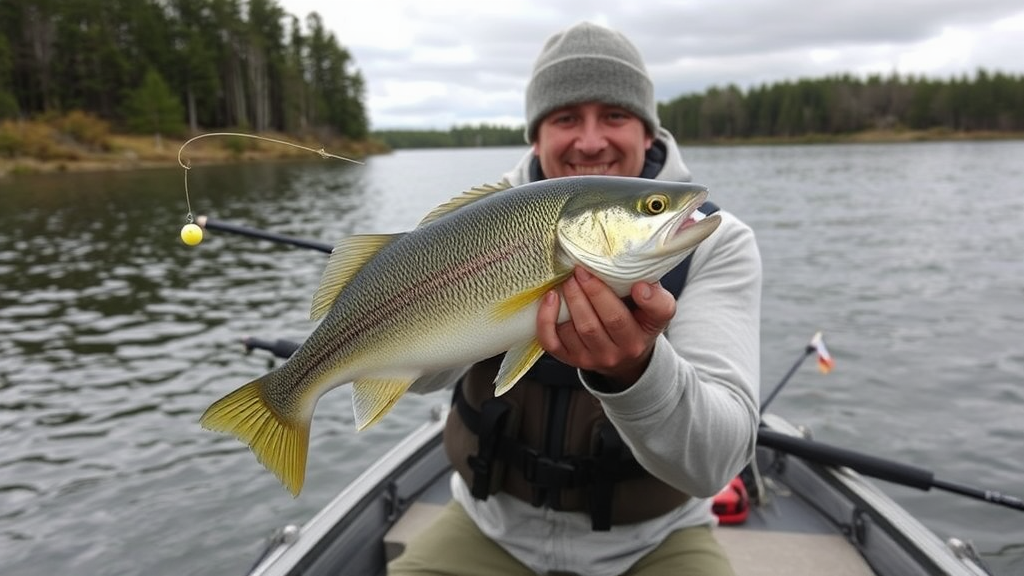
point(591, 169)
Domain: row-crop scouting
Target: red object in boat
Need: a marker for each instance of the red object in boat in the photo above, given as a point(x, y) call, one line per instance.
point(732, 504)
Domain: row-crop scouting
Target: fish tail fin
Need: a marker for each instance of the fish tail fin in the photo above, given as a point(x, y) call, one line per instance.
point(279, 443)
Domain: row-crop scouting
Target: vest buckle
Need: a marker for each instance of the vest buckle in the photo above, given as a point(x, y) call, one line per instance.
point(549, 473)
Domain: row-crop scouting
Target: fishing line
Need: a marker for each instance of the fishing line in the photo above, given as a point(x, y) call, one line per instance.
point(191, 233)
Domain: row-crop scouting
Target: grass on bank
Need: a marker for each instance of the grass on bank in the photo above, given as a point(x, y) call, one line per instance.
point(80, 141)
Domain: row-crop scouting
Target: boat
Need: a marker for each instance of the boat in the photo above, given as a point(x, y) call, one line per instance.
point(798, 517)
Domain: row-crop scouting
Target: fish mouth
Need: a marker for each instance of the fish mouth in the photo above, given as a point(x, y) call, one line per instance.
point(691, 226)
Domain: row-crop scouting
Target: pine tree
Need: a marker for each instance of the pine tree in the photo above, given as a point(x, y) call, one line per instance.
point(152, 108)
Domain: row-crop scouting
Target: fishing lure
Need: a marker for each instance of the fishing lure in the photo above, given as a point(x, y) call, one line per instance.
point(191, 233)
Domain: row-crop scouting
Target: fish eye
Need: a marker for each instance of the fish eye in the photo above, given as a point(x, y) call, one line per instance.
point(656, 204)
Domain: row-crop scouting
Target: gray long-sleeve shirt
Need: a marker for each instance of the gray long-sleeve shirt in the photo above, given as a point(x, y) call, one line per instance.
point(691, 419)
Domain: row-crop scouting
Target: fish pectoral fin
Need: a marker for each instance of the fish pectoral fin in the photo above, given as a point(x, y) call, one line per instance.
point(510, 306)
point(279, 443)
point(516, 364)
point(372, 398)
point(347, 258)
point(467, 197)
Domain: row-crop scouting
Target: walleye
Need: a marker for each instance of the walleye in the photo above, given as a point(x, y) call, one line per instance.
point(463, 286)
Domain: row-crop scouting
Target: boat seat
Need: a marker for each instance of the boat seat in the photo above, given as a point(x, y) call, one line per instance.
point(763, 553)
point(752, 552)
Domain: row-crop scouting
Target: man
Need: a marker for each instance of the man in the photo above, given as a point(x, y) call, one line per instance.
point(603, 458)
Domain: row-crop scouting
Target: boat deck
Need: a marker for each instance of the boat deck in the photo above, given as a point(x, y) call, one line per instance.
point(784, 537)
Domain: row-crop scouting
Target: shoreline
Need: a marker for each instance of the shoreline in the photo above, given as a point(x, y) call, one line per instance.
point(865, 137)
point(130, 152)
point(142, 152)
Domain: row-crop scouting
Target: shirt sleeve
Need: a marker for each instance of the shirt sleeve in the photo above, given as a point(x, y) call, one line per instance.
point(691, 419)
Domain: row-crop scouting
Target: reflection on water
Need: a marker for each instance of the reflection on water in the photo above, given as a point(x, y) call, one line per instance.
point(116, 336)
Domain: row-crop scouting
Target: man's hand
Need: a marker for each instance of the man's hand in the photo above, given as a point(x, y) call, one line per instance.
point(604, 335)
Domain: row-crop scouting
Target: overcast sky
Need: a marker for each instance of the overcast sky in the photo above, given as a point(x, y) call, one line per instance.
point(437, 63)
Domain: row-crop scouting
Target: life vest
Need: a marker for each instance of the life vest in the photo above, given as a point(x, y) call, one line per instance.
point(566, 455)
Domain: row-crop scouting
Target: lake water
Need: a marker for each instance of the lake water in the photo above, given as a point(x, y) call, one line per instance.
point(114, 336)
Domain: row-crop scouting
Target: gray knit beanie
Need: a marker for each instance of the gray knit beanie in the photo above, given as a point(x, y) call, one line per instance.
point(589, 63)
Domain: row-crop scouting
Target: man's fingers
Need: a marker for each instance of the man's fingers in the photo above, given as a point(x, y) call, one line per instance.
point(547, 323)
point(655, 307)
point(587, 321)
point(610, 312)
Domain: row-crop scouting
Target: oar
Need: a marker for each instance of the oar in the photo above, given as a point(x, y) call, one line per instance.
point(888, 470)
point(211, 224)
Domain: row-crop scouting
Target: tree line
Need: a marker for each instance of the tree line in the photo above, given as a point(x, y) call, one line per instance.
point(845, 104)
point(830, 106)
point(162, 65)
point(463, 136)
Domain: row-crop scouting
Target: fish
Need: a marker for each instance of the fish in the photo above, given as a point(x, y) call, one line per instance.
point(464, 285)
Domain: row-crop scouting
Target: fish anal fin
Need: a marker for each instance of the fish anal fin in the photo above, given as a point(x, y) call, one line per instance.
point(510, 306)
point(347, 258)
point(516, 364)
point(372, 398)
point(279, 444)
point(467, 197)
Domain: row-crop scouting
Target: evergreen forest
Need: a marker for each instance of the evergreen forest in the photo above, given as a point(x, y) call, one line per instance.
point(172, 65)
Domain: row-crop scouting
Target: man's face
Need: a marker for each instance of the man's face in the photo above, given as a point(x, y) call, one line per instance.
point(591, 139)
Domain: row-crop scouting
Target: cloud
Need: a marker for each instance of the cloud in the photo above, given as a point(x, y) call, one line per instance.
point(435, 64)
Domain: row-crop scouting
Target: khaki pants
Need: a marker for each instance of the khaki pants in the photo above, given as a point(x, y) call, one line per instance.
point(454, 546)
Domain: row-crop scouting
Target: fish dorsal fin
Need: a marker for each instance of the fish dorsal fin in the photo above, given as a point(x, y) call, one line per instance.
point(507, 308)
point(372, 398)
point(516, 364)
point(347, 258)
point(467, 197)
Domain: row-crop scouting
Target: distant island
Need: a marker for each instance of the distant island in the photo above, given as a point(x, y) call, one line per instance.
point(114, 85)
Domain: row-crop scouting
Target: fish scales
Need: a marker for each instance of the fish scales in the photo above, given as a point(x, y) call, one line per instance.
point(488, 247)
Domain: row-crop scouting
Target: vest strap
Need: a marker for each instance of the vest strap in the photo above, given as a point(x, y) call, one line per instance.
point(490, 420)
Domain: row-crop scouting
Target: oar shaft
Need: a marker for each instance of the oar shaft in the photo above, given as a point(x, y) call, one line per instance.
point(986, 495)
point(212, 224)
point(834, 456)
point(888, 470)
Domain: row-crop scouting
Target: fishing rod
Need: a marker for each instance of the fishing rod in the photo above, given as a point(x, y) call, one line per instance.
point(212, 224)
point(808, 350)
point(817, 344)
point(888, 470)
point(813, 451)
